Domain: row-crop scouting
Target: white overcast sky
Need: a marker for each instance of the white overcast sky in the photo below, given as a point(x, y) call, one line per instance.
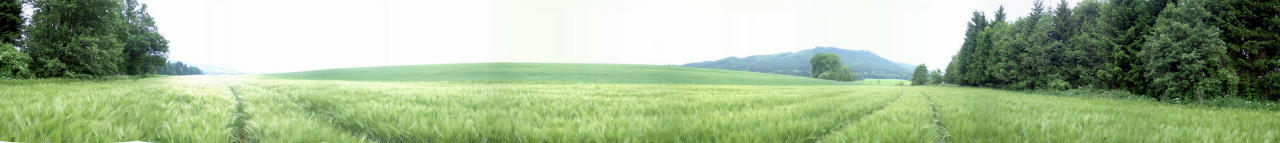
point(266, 36)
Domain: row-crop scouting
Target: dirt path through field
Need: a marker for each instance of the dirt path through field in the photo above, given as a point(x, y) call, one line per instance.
point(937, 120)
point(824, 133)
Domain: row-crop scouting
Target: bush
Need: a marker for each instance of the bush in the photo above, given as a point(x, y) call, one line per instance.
point(1058, 84)
point(13, 63)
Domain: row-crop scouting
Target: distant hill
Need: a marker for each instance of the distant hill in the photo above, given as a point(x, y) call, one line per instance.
point(555, 73)
point(864, 63)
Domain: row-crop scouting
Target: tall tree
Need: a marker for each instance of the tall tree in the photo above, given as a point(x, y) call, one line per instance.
point(1126, 22)
point(145, 49)
point(1000, 16)
point(1037, 9)
point(13, 64)
point(1251, 29)
point(1088, 47)
point(935, 77)
point(76, 38)
point(11, 21)
point(828, 66)
point(1185, 57)
point(920, 76)
point(963, 62)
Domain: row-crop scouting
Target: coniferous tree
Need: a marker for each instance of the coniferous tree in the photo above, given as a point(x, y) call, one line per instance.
point(1000, 16)
point(13, 63)
point(1251, 30)
point(1105, 45)
point(1185, 57)
point(961, 62)
point(11, 21)
point(1087, 46)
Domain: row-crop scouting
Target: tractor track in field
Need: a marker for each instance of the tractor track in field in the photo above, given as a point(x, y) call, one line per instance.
point(937, 120)
point(818, 136)
point(324, 109)
point(238, 123)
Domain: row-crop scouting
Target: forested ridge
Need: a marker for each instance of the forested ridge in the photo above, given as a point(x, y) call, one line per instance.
point(864, 64)
point(1167, 49)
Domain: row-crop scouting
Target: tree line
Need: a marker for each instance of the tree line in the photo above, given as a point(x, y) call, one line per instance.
point(79, 39)
point(179, 68)
point(922, 76)
point(1167, 49)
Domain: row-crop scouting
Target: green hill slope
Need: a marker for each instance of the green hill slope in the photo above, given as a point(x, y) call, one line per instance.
point(555, 72)
point(864, 63)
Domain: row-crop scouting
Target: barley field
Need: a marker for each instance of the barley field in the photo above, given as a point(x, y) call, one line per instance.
point(585, 103)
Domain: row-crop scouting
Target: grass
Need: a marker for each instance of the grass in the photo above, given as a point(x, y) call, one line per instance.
point(909, 119)
point(190, 109)
point(370, 105)
point(894, 82)
point(985, 115)
point(509, 112)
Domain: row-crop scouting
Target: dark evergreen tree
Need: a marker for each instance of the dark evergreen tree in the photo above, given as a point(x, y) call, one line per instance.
point(961, 61)
point(1251, 29)
point(1000, 16)
point(1185, 57)
point(11, 21)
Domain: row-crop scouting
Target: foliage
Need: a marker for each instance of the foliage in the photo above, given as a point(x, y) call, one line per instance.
point(1249, 30)
point(1184, 57)
point(11, 21)
point(13, 64)
point(1120, 44)
point(144, 48)
point(920, 76)
point(964, 73)
point(827, 66)
point(92, 38)
point(864, 64)
point(178, 68)
point(936, 77)
point(75, 38)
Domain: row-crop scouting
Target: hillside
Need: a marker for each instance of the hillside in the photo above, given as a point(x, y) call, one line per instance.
point(555, 72)
point(864, 63)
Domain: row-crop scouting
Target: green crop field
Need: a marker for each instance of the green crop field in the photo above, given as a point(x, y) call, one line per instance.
point(516, 102)
point(896, 82)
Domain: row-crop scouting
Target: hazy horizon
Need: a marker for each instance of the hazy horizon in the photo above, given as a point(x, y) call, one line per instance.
point(298, 36)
